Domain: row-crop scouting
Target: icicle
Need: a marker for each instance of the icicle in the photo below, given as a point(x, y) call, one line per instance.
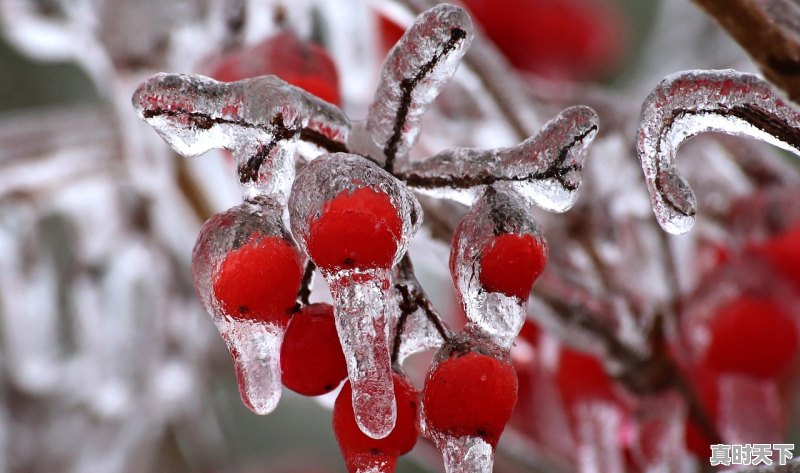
point(414, 73)
point(355, 220)
point(545, 168)
point(499, 212)
point(259, 120)
point(689, 103)
point(247, 273)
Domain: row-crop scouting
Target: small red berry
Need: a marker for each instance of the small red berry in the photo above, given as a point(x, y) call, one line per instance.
point(259, 280)
point(783, 253)
point(581, 377)
point(470, 395)
point(362, 453)
point(753, 336)
point(312, 362)
point(300, 63)
point(511, 263)
point(357, 229)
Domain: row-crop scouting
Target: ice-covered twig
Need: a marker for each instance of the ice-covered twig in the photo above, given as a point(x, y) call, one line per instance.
point(414, 73)
point(419, 327)
point(305, 286)
point(545, 168)
point(259, 120)
point(689, 103)
point(770, 33)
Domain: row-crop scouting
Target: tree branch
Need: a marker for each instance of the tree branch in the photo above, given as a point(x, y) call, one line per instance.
point(769, 31)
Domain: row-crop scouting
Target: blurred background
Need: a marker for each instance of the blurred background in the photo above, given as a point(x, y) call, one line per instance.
point(107, 361)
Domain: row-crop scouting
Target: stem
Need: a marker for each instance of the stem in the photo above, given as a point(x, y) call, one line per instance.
point(414, 297)
point(305, 285)
point(767, 31)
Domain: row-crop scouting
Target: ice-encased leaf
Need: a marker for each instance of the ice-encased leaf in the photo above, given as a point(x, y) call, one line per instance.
point(254, 344)
point(259, 120)
point(545, 168)
point(363, 299)
point(414, 72)
point(689, 103)
point(500, 211)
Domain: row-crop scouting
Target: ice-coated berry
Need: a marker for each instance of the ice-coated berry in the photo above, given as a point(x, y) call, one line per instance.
point(300, 63)
point(470, 395)
point(362, 453)
point(753, 336)
point(511, 263)
point(358, 229)
point(312, 362)
point(259, 280)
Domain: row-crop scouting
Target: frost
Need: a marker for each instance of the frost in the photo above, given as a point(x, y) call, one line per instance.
point(259, 120)
point(545, 168)
point(689, 103)
point(362, 299)
point(254, 345)
point(414, 73)
point(499, 211)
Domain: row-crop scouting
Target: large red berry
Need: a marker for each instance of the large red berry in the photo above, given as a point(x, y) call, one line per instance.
point(300, 63)
point(470, 395)
point(511, 263)
point(358, 229)
point(581, 377)
point(362, 453)
point(259, 280)
point(753, 336)
point(312, 362)
point(561, 39)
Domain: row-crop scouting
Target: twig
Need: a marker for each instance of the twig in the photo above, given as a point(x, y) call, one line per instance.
point(305, 286)
point(768, 31)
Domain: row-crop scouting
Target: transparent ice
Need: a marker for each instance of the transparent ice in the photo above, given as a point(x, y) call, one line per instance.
point(254, 345)
point(413, 74)
point(689, 103)
point(259, 120)
point(546, 168)
point(500, 211)
point(362, 298)
point(467, 455)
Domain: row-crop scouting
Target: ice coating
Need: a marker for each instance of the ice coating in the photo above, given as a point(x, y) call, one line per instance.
point(414, 72)
point(467, 455)
point(362, 295)
point(689, 103)
point(500, 211)
point(254, 345)
point(260, 120)
point(546, 168)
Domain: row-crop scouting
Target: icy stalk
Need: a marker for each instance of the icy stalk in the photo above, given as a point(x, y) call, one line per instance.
point(247, 273)
point(414, 72)
point(545, 168)
point(497, 238)
point(354, 220)
point(689, 103)
point(260, 120)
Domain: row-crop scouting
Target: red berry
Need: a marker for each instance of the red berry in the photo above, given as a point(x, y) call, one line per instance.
point(511, 263)
point(300, 63)
point(259, 280)
point(561, 39)
point(752, 336)
point(312, 362)
point(470, 395)
point(361, 452)
point(581, 377)
point(357, 229)
point(783, 253)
